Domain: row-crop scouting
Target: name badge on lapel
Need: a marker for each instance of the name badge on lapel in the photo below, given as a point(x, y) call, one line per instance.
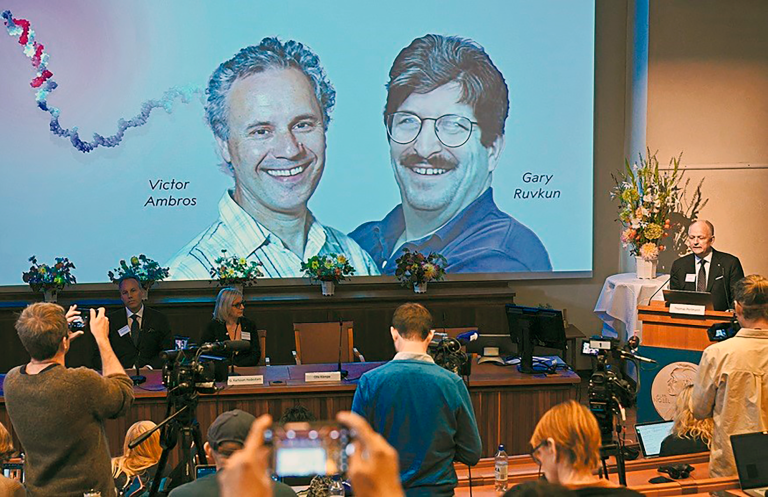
point(124, 330)
point(245, 335)
point(690, 278)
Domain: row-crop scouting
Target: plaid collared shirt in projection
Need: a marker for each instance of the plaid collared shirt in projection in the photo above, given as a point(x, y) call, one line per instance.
point(241, 235)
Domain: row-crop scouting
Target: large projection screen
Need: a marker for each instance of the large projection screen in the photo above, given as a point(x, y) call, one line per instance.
point(163, 186)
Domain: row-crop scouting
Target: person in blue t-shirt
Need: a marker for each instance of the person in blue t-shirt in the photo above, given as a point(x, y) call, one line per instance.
point(422, 410)
point(445, 112)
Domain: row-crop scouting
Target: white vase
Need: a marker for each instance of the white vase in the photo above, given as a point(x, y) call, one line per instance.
point(646, 270)
point(50, 295)
point(420, 288)
point(240, 287)
point(327, 288)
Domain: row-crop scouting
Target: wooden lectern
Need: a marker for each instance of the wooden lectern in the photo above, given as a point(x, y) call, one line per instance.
point(677, 331)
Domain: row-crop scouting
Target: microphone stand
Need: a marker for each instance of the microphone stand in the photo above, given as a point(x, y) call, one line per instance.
point(232, 364)
point(138, 378)
point(344, 373)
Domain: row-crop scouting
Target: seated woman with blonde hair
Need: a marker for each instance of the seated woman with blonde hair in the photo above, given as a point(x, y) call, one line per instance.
point(8, 486)
point(228, 323)
point(139, 462)
point(689, 435)
point(566, 445)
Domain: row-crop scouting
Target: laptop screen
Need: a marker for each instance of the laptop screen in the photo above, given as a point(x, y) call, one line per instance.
point(651, 435)
point(750, 451)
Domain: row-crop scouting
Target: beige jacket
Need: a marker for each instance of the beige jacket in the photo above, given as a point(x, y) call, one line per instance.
point(732, 388)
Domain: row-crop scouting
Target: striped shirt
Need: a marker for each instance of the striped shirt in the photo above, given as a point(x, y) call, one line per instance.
point(242, 236)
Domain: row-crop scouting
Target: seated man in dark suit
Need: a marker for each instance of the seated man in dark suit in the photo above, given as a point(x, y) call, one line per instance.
point(706, 269)
point(138, 333)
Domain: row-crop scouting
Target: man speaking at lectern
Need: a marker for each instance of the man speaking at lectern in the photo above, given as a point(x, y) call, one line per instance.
point(706, 269)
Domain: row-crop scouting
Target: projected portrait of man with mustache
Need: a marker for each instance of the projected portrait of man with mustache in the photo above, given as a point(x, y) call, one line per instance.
point(445, 112)
point(269, 108)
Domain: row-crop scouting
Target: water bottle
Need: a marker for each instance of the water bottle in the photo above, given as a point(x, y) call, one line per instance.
point(336, 487)
point(500, 469)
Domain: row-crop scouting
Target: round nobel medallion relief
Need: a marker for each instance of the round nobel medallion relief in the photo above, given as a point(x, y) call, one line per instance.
point(667, 385)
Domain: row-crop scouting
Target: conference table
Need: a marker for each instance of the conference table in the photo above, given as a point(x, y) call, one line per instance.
point(639, 472)
point(507, 404)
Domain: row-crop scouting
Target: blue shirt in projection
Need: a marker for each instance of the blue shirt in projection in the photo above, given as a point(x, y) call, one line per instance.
point(479, 239)
point(425, 413)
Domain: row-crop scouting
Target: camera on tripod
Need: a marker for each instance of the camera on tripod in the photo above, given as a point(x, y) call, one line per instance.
point(608, 390)
point(610, 393)
point(185, 372)
point(447, 353)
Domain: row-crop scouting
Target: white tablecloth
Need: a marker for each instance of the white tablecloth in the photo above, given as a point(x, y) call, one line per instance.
point(618, 301)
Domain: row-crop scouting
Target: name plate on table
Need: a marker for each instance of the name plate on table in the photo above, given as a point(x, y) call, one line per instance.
point(692, 309)
point(324, 376)
point(248, 379)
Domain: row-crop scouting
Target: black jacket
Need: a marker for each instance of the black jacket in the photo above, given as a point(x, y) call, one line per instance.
point(155, 336)
point(216, 331)
point(725, 272)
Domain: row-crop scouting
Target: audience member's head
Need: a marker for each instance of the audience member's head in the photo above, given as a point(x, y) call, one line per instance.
point(42, 328)
point(566, 443)
point(296, 414)
point(538, 488)
point(6, 444)
point(227, 434)
point(229, 305)
point(411, 323)
point(686, 425)
point(143, 456)
point(751, 296)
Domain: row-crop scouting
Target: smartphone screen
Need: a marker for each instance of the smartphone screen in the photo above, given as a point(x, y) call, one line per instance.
point(308, 449)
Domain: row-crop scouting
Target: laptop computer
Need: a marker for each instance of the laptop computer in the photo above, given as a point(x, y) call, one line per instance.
point(650, 435)
point(751, 453)
point(688, 297)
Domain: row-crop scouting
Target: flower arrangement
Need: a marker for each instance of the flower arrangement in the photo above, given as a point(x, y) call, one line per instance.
point(45, 277)
point(331, 267)
point(234, 270)
point(647, 197)
point(414, 268)
point(142, 268)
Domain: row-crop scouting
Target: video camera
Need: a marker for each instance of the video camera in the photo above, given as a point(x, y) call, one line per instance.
point(723, 331)
point(447, 354)
point(187, 371)
point(609, 392)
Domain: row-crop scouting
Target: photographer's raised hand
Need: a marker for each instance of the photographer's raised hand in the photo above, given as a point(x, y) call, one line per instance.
point(374, 467)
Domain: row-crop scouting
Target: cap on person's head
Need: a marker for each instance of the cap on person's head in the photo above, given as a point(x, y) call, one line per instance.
point(231, 426)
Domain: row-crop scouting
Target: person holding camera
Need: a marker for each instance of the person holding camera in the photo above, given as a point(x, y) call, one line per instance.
point(229, 324)
point(732, 381)
point(226, 436)
point(58, 413)
point(373, 466)
point(566, 445)
point(421, 409)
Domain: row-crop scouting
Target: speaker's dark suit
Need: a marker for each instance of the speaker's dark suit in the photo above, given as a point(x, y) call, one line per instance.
point(725, 272)
point(155, 336)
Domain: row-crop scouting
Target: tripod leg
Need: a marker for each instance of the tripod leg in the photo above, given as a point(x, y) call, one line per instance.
point(198, 439)
point(159, 473)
